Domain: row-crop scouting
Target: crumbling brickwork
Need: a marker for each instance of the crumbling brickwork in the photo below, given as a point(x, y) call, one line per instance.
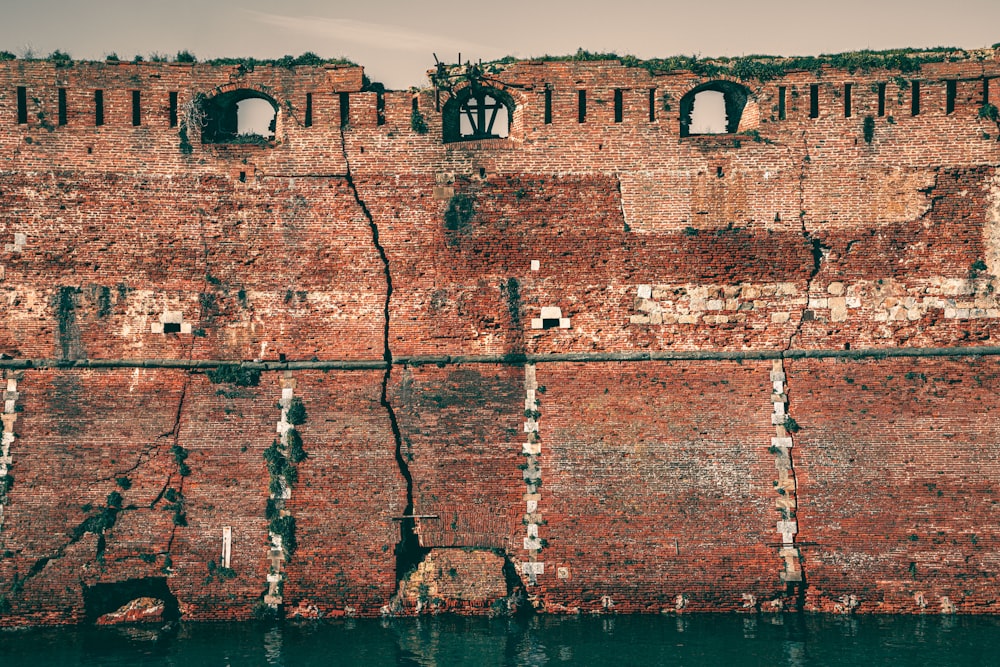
point(594, 363)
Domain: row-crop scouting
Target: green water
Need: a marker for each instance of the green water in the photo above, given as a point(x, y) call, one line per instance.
point(694, 639)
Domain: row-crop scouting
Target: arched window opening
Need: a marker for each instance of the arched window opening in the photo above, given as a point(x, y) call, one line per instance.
point(477, 113)
point(715, 107)
point(708, 113)
point(240, 116)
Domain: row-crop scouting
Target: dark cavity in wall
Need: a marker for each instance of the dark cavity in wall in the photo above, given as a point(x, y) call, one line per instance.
point(103, 599)
point(68, 332)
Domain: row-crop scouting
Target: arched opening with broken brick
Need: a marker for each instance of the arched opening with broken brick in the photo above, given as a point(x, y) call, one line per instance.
point(715, 107)
point(239, 116)
point(477, 112)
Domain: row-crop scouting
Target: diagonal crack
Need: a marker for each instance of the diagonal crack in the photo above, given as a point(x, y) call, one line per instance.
point(408, 550)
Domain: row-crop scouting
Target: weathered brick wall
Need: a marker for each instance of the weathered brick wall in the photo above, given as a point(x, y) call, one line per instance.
point(626, 485)
point(897, 474)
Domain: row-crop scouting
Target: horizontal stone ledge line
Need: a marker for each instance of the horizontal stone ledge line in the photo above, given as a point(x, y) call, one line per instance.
point(457, 360)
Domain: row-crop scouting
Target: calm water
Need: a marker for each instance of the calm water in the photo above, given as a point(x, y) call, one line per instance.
point(610, 640)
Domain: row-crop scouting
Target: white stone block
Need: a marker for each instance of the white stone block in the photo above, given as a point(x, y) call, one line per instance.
point(779, 386)
point(779, 408)
point(535, 265)
point(532, 506)
point(156, 327)
point(532, 530)
point(564, 323)
point(788, 527)
point(551, 312)
point(11, 384)
point(185, 327)
point(531, 448)
point(530, 426)
point(533, 568)
point(777, 376)
point(172, 317)
point(777, 420)
point(780, 318)
point(644, 291)
point(536, 322)
point(532, 544)
point(781, 442)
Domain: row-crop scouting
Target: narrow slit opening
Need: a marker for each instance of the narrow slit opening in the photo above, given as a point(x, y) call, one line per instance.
point(173, 109)
point(548, 106)
point(950, 94)
point(847, 100)
point(881, 99)
point(915, 98)
point(308, 120)
point(814, 100)
point(22, 105)
point(98, 108)
point(62, 106)
point(345, 109)
point(781, 103)
point(652, 105)
point(136, 108)
point(581, 116)
point(619, 105)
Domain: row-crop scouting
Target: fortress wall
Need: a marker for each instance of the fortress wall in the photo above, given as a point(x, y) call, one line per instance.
point(82, 431)
point(658, 483)
point(897, 473)
point(252, 270)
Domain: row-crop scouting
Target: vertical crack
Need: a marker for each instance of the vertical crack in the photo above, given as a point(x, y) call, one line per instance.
point(816, 246)
point(408, 550)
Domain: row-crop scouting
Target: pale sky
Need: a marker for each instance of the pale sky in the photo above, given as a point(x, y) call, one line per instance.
point(395, 39)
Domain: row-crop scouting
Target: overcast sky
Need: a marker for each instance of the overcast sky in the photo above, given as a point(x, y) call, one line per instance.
point(395, 39)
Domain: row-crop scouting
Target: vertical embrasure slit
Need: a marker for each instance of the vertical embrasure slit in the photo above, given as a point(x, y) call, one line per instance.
point(619, 104)
point(62, 106)
point(986, 91)
point(345, 109)
point(22, 105)
point(308, 120)
point(136, 108)
point(915, 98)
point(949, 96)
point(173, 108)
point(781, 103)
point(548, 106)
point(581, 114)
point(652, 105)
point(98, 108)
point(380, 108)
point(881, 99)
point(847, 100)
point(814, 100)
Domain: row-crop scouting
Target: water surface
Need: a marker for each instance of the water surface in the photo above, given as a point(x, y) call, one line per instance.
point(694, 639)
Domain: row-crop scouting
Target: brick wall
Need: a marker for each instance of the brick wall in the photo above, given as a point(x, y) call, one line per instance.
point(571, 257)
